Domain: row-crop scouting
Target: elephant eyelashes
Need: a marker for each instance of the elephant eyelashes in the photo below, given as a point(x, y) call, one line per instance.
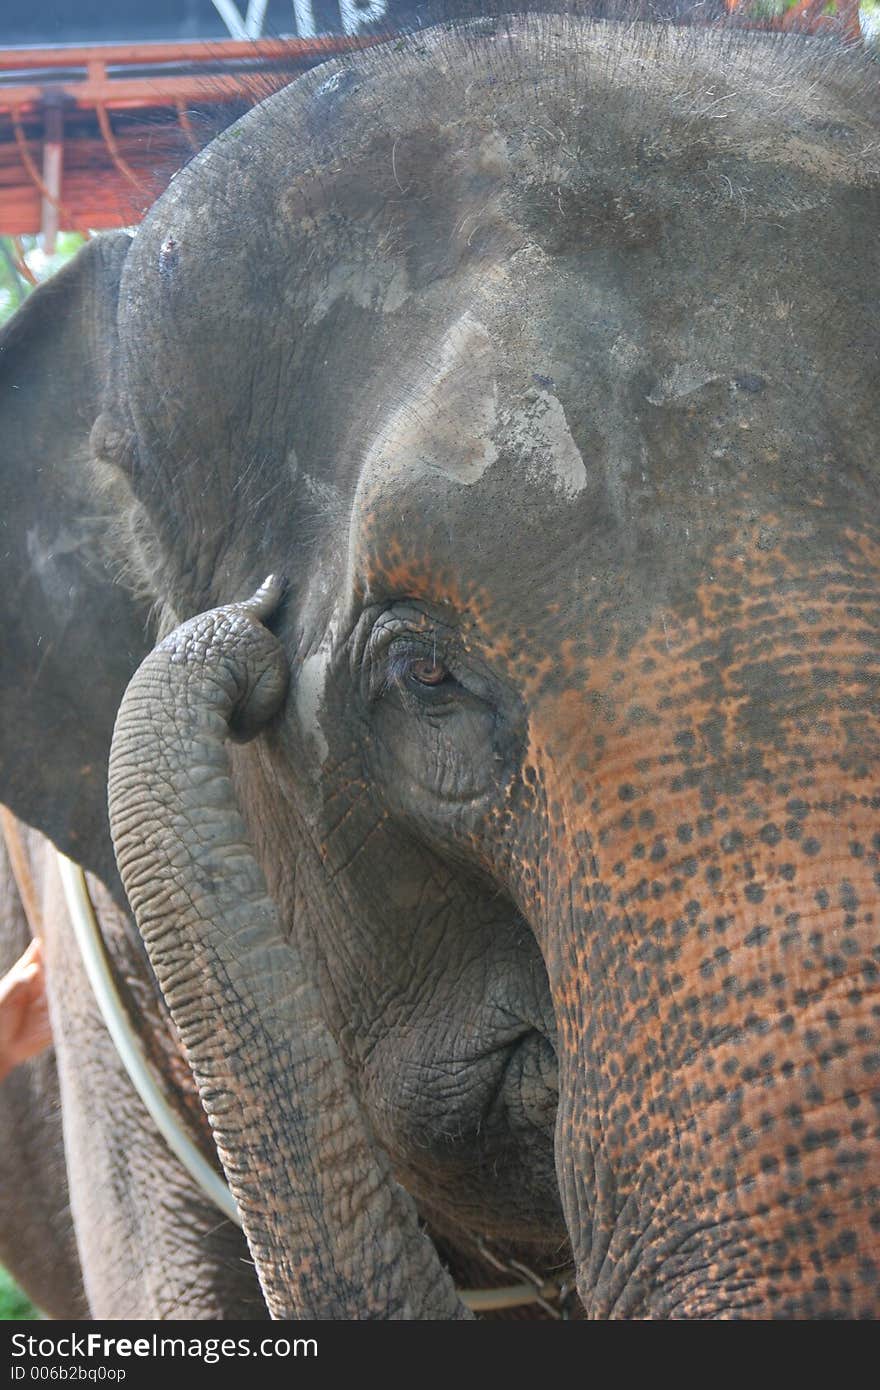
point(428, 672)
point(419, 672)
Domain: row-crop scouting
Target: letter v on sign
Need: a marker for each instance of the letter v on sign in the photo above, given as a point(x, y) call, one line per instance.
point(352, 16)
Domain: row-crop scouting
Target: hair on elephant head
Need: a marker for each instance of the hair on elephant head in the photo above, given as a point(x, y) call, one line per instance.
point(535, 895)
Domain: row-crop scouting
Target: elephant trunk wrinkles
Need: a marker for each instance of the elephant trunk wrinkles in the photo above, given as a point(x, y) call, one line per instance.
point(331, 1233)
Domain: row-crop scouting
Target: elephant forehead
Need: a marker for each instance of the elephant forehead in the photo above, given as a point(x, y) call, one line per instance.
point(497, 323)
point(484, 391)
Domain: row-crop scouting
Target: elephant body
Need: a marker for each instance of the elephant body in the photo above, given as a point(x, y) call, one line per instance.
point(511, 865)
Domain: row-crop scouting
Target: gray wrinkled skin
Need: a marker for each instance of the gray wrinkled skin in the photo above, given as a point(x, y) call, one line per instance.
point(544, 368)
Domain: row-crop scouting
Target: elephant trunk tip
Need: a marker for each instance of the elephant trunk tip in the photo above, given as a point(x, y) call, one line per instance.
point(268, 596)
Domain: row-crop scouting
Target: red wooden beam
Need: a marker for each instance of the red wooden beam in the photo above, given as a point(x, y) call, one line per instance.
point(95, 194)
point(126, 76)
point(145, 92)
point(44, 184)
point(143, 55)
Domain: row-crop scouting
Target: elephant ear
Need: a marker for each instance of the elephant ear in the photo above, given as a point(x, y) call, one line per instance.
point(71, 636)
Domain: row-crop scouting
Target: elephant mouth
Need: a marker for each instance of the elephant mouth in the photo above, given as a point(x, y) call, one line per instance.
point(513, 1177)
point(475, 1144)
point(527, 1091)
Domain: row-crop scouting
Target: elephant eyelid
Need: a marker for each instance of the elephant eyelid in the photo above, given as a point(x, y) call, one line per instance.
point(400, 664)
point(394, 644)
point(409, 653)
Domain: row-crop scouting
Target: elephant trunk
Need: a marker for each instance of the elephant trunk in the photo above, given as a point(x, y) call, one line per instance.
point(695, 838)
point(331, 1233)
point(717, 1018)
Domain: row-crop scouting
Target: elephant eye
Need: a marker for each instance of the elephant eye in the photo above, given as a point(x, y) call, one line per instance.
point(428, 672)
point(421, 672)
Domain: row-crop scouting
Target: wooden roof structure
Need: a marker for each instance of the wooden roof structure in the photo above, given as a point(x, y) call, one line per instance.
point(91, 135)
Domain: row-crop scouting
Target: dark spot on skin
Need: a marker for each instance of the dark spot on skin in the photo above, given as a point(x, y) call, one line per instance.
point(770, 835)
point(749, 381)
point(757, 935)
point(812, 846)
point(754, 892)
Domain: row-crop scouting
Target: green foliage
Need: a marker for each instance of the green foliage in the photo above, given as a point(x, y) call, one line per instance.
point(14, 1305)
point(14, 287)
point(869, 10)
point(773, 9)
point(11, 285)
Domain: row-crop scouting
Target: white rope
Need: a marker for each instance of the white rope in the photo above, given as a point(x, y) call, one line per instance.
point(127, 1043)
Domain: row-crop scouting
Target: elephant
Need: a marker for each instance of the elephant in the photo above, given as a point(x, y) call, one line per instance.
point(462, 495)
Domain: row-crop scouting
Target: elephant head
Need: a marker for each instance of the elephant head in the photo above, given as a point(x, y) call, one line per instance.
point(542, 364)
